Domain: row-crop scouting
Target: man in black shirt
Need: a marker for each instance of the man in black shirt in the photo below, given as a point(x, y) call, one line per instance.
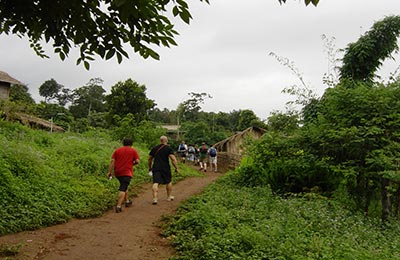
point(158, 161)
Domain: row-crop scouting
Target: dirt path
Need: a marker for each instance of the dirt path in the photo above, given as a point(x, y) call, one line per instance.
point(133, 234)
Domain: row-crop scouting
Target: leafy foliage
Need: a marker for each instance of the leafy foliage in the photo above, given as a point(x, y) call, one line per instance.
point(19, 93)
point(307, 2)
point(96, 27)
point(233, 222)
point(129, 97)
point(88, 99)
point(364, 57)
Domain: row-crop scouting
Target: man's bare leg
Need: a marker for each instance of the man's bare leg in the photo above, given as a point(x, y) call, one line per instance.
point(155, 193)
point(121, 197)
point(169, 191)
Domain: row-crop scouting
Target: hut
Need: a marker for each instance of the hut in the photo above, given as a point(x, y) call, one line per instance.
point(173, 131)
point(230, 150)
point(5, 84)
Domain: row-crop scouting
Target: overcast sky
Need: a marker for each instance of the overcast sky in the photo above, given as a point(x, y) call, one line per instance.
point(223, 52)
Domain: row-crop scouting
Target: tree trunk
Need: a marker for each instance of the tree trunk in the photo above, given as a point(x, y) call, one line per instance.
point(385, 200)
point(397, 202)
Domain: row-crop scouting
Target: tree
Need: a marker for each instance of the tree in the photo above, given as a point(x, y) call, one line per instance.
point(129, 97)
point(284, 123)
point(49, 90)
point(19, 93)
point(246, 119)
point(96, 27)
point(191, 107)
point(364, 57)
point(89, 98)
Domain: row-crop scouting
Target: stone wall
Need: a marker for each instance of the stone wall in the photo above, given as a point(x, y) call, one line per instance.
point(228, 161)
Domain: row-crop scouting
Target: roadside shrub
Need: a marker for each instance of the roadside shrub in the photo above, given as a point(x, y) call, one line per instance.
point(284, 165)
point(232, 222)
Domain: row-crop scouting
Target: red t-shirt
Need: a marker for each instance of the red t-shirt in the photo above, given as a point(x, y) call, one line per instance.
point(124, 158)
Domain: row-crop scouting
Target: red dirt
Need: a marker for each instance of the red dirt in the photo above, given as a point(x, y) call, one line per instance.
point(133, 234)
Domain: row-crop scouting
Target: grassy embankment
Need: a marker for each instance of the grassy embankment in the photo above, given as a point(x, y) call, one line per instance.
point(47, 179)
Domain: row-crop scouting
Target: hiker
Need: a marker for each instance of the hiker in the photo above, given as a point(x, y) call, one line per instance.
point(196, 154)
point(182, 151)
point(203, 152)
point(212, 158)
point(158, 161)
point(191, 153)
point(122, 161)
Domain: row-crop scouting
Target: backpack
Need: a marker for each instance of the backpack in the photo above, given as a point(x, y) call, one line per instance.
point(213, 152)
point(191, 149)
point(181, 147)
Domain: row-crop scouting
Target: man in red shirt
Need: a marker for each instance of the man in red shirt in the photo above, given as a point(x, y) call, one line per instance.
point(122, 161)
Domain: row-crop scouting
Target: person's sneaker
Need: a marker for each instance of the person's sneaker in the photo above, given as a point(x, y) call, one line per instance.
point(118, 209)
point(171, 198)
point(154, 201)
point(205, 170)
point(128, 203)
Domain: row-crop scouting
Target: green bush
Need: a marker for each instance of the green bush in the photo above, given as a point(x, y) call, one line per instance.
point(232, 222)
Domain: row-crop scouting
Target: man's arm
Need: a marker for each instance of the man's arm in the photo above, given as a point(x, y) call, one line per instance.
point(111, 168)
point(150, 162)
point(174, 162)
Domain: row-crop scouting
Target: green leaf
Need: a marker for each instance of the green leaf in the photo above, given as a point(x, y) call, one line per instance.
point(87, 65)
point(62, 56)
point(175, 11)
point(110, 54)
point(119, 57)
point(185, 16)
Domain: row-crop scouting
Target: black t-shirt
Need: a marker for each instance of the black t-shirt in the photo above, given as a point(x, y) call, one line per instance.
point(161, 159)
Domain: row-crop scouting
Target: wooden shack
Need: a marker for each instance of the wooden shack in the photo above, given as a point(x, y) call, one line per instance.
point(230, 150)
point(5, 84)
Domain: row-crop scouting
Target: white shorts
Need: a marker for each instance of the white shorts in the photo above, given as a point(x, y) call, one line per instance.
point(212, 159)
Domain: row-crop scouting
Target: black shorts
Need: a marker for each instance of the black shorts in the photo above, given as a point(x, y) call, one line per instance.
point(124, 182)
point(162, 177)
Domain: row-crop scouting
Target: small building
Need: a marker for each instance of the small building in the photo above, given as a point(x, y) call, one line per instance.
point(230, 150)
point(173, 131)
point(5, 84)
point(234, 144)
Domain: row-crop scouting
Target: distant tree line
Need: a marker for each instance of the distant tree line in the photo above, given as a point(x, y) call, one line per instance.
point(126, 108)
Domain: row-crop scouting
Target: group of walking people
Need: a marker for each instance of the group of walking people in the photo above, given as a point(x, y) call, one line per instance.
point(125, 157)
point(198, 155)
point(122, 164)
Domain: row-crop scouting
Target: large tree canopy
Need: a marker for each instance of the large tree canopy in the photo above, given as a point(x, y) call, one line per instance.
point(97, 27)
point(129, 98)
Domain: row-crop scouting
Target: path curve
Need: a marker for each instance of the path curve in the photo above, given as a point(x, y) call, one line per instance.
point(133, 234)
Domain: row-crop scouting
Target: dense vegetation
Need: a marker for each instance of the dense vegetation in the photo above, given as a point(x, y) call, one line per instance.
point(230, 221)
point(50, 178)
